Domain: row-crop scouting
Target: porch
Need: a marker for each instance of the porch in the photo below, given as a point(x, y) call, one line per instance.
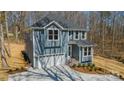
point(80, 51)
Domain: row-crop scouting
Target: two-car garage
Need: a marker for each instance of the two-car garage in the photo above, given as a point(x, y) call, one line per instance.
point(49, 60)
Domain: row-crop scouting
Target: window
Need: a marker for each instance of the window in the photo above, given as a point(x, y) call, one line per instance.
point(83, 35)
point(76, 35)
point(52, 34)
point(70, 35)
point(87, 51)
point(55, 34)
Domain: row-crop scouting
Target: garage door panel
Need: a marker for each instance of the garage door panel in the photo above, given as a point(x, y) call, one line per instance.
point(60, 60)
point(48, 61)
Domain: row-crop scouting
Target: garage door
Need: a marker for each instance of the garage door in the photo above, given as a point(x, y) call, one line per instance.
point(48, 61)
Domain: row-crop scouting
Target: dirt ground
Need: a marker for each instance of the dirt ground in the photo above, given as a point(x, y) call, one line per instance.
point(115, 67)
point(16, 62)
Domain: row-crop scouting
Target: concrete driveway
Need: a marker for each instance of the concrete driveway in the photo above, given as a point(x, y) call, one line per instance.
point(59, 73)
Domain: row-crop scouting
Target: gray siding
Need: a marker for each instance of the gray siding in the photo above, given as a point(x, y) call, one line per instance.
point(46, 47)
point(48, 51)
point(41, 47)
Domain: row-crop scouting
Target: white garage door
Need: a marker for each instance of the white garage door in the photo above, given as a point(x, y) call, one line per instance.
point(48, 61)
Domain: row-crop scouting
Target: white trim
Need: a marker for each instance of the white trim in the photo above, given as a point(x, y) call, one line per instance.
point(75, 35)
point(86, 45)
point(50, 55)
point(52, 23)
point(74, 29)
point(87, 52)
point(53, 37)
point(33, 50)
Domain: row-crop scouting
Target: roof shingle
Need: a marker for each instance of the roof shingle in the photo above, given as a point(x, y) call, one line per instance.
point(59, 19)
point(82, 43)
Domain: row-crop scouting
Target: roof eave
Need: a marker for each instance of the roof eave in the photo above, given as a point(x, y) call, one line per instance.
point(67, 29)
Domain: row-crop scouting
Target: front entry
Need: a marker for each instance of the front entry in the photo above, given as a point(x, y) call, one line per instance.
point(73, 51)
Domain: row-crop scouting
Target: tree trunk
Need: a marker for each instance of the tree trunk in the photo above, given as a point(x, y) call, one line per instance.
point(16, 33)
point(7, 34)
point(113, 36)
point(2, 49)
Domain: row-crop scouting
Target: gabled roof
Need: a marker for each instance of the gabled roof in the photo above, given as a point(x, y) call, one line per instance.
point(56, 18)
point(53, 23)
point(82, 43)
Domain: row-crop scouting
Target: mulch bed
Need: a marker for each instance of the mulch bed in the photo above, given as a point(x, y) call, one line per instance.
point(91, 71)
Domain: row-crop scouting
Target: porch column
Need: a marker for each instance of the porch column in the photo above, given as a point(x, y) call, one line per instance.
point(34, 58)
point(80, 54)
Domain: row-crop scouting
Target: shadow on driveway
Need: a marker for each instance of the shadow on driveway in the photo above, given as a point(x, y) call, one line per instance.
point(56, 73)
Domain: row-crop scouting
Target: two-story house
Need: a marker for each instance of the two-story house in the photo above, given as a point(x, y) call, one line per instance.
point(53, 41)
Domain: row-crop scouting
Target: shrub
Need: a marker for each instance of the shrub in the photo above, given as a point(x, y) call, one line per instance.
point(118, 58)
point(79, 65)
point(10, 70)
point(25, 56)
point(120, 77)
point(86, 65)
point(122, 60)
point(83, 65)
point(90, 69)
point(93, 65)
point(94, 68)
point(74, 65)
point(115, 74)
point(100, 69)
point(89, 64)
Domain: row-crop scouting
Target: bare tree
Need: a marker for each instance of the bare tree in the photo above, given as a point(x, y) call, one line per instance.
point(2, 49)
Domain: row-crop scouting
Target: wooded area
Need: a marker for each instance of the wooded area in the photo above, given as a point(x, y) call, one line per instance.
point(106, 29)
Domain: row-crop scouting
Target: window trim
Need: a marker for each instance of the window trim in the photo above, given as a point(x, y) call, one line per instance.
point(53, 34)
point(75, 35)
point(87, 51)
